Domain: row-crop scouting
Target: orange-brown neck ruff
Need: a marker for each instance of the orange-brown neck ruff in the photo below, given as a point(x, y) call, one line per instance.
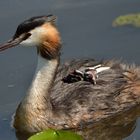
point(51, 42)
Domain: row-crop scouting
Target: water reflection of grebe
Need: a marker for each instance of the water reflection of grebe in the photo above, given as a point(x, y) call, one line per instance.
point(52, 103)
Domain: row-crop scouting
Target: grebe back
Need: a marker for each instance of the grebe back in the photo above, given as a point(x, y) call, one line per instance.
point(52, 103)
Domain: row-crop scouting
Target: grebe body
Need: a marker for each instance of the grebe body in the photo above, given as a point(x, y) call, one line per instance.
point(52, 103)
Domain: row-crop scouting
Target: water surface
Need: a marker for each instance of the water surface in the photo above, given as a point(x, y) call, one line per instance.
point(86, 31)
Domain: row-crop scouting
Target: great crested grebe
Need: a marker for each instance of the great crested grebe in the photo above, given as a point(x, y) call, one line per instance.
point(52, 103)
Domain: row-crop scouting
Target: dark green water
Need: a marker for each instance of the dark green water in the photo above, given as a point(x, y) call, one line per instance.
point(86, 31)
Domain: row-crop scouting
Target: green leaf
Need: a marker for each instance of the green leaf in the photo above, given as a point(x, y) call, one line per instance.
point(56, 135)
point(129, 19)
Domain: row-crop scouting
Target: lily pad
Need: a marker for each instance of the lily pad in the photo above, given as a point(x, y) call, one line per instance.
point(51, 134)
point(129, 19)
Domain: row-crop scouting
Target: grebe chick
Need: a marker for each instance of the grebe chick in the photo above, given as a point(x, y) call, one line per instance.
point(52, 103)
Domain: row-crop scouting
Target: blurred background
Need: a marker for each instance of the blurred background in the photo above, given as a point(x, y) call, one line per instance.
point(86, 30)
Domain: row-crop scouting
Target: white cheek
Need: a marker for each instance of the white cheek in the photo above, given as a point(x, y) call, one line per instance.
point(31, 41)
point(28, 42)
point(35, 37)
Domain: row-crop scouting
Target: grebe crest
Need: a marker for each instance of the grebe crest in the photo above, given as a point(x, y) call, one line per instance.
point(40, 32)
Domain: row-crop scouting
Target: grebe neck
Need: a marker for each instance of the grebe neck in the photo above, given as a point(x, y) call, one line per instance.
point(39, 91)
point(36, 106)
point(33, 112)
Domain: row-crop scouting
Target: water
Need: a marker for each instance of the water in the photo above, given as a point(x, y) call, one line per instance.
point(86, 31)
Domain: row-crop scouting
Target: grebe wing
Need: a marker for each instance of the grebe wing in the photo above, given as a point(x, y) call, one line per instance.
point(113, 93)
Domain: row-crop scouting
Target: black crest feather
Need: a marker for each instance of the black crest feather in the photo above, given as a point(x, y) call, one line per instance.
point(31, 23)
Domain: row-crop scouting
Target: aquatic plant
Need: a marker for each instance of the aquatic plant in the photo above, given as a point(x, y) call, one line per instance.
point(129, 19)
point(51, 134)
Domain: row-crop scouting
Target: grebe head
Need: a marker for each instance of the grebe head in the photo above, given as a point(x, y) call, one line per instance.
point(40, 32)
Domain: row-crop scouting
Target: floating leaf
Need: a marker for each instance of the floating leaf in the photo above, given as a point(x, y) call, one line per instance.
point(56, 135)
point(129, 19)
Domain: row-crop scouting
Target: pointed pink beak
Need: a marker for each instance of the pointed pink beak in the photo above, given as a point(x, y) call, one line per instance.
point(13, 42)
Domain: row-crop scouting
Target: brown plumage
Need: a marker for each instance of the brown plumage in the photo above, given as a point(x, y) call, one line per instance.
point(51, 41)
point(80, 105)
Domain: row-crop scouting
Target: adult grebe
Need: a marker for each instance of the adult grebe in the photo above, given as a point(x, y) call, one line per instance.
point(52, 103)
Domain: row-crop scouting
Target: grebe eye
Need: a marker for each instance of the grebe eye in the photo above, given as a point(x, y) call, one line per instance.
point(27, 36)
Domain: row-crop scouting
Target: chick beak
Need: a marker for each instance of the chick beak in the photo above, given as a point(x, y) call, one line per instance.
point(13, 42)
